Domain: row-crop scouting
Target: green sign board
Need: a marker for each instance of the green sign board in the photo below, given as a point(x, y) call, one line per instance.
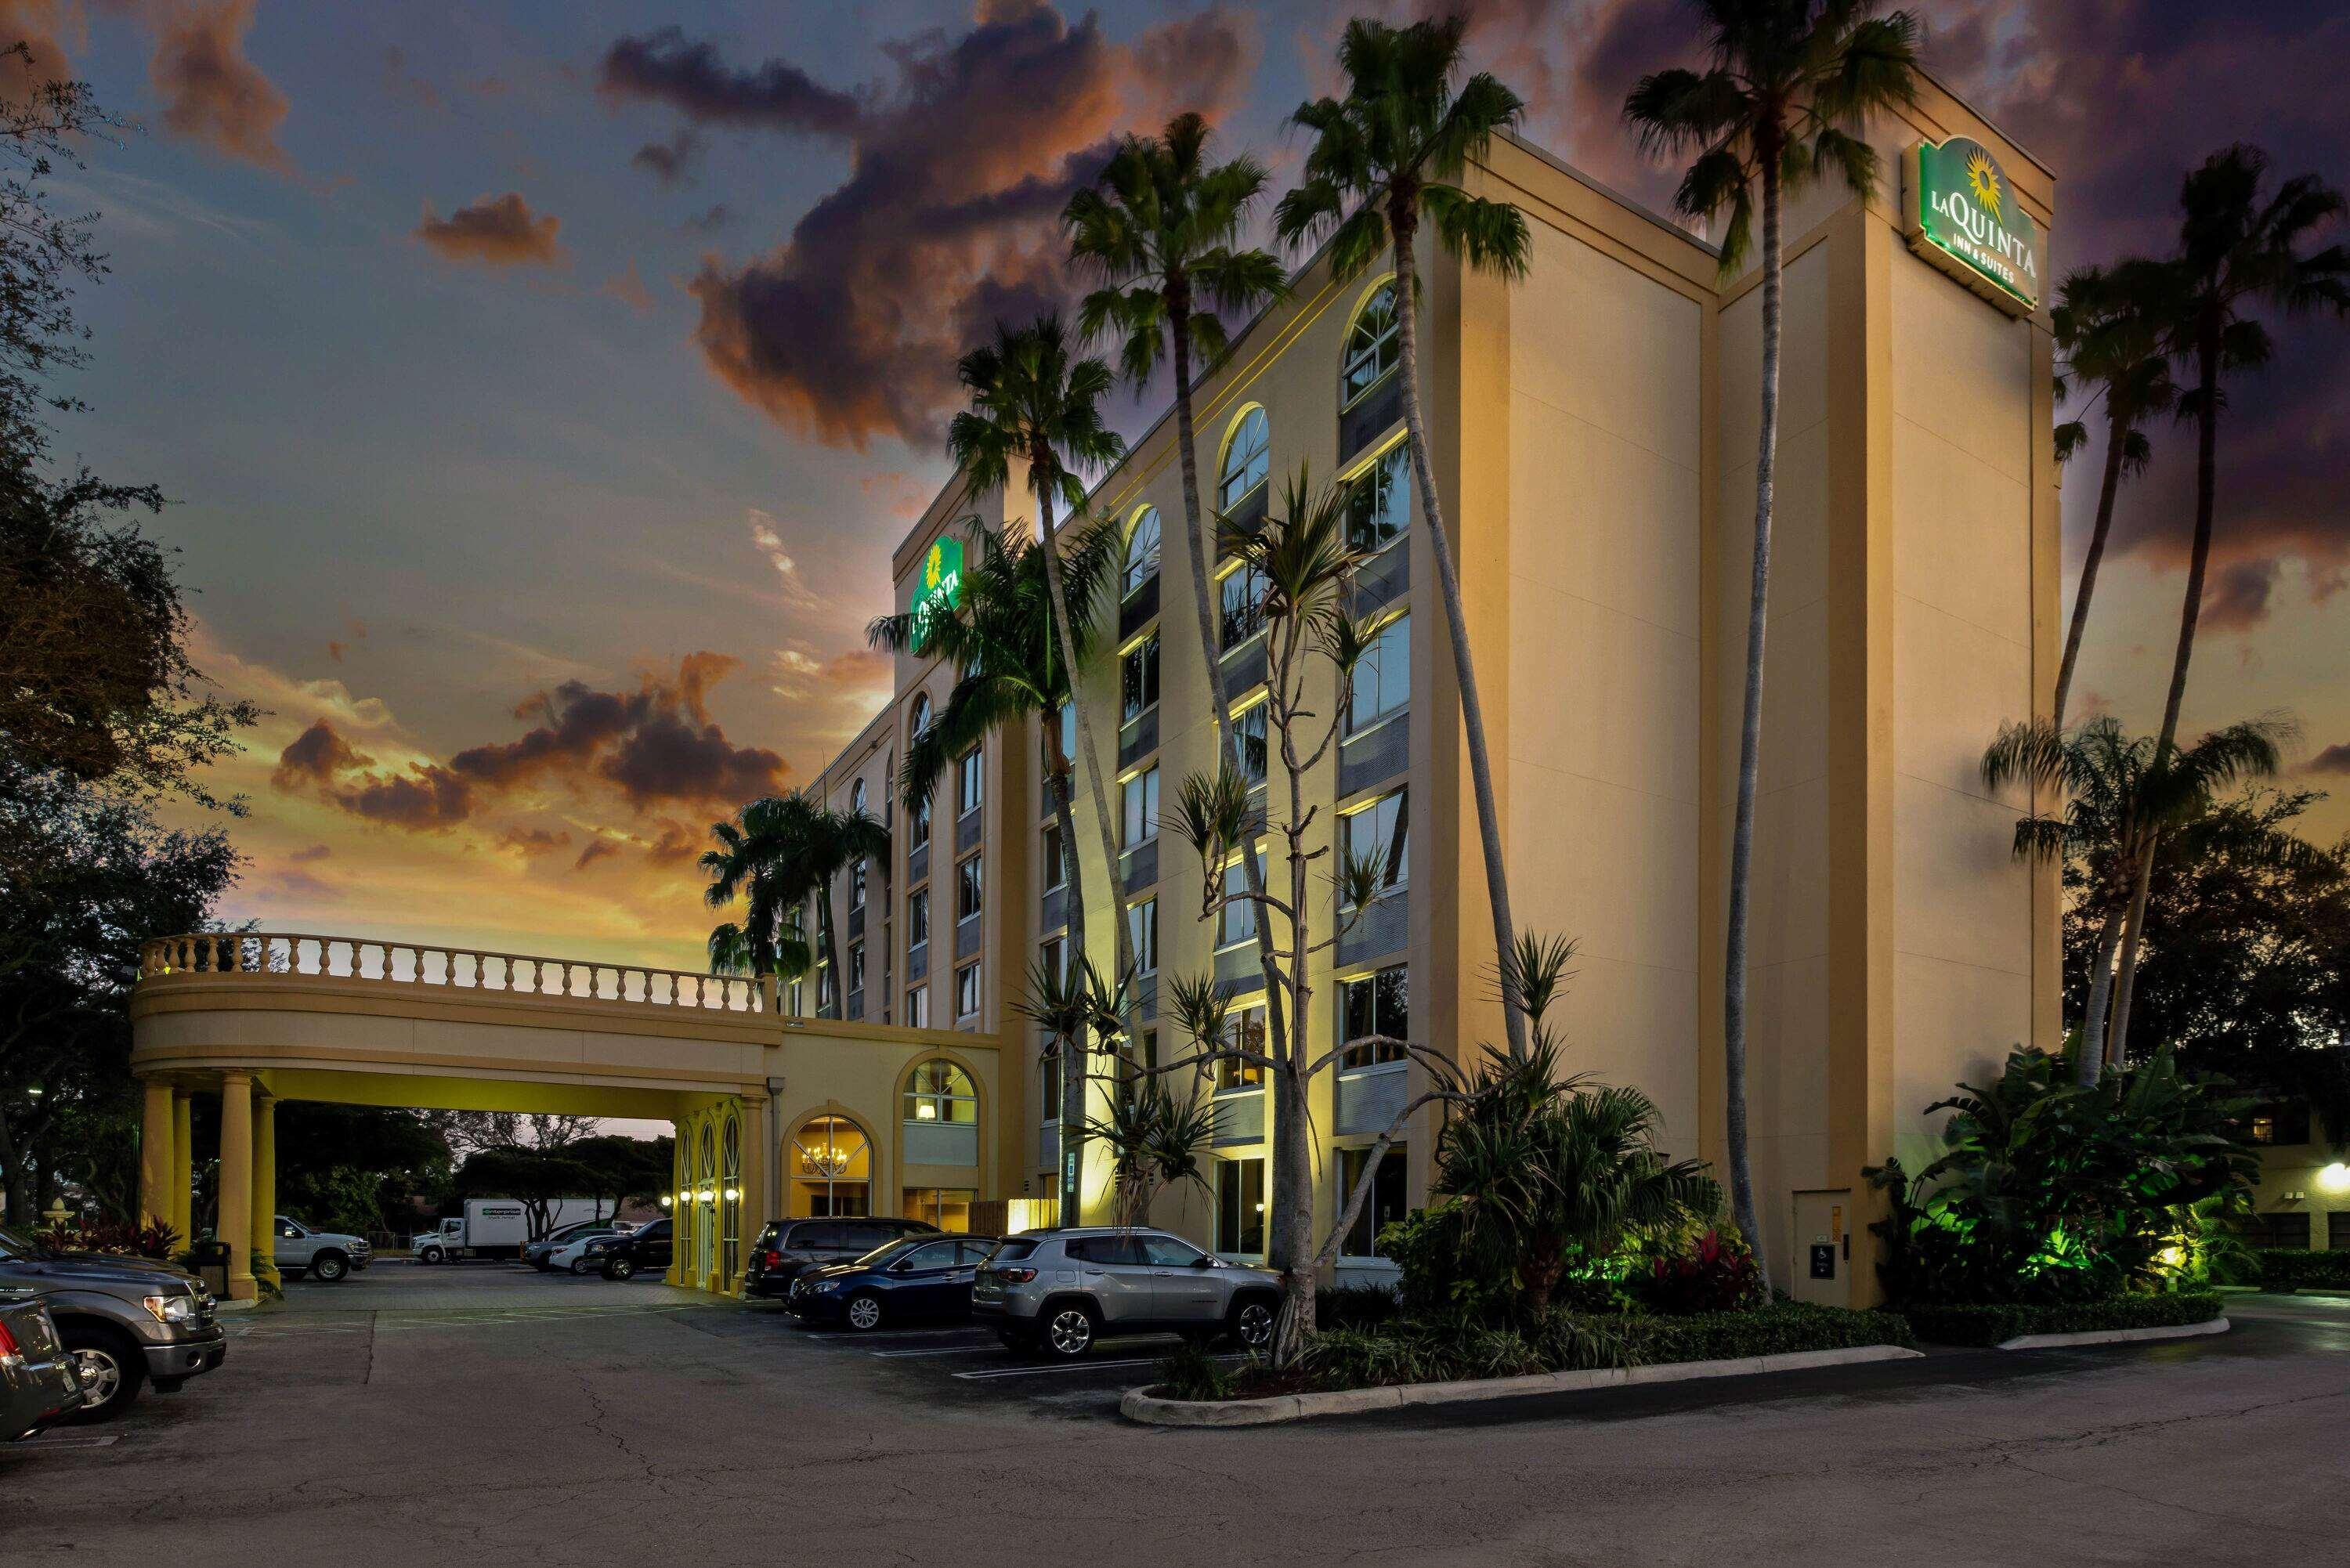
point(941, 587)
point(1965, 218)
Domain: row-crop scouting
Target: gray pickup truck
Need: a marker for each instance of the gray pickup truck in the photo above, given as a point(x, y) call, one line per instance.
point(127, 1321)
point(328, 1255)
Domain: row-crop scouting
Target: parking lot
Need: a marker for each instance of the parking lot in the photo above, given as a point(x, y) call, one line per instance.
point(484, 1413)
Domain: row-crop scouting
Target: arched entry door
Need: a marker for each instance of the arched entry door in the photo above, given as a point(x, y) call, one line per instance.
point(832, 1169)
point(705, 1197)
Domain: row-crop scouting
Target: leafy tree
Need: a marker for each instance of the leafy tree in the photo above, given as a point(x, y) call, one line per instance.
point(781, 850)
point(357, 1168)
point(2109, 335)
point(620, 1168)
point(1781, 104)
point(1395, 150)
point(2240, 250)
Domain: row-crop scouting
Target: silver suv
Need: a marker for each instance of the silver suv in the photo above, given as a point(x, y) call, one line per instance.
point(1059, 1290)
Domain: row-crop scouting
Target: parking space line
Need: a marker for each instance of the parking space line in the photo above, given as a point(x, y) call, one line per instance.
point(936, 1350)
point(1067, 1366)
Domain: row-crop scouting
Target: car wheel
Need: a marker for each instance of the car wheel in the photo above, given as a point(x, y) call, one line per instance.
point(1251, 1324)
point(1069, 1330)
point(863, 1310)
point(580, 1265)
point(328, 1267)
point(109, 1365)
point(430, 1255)
point(620, 1269)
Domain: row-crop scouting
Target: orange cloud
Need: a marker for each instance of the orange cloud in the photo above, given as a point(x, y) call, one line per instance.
point(212, 93)
point(498, 231)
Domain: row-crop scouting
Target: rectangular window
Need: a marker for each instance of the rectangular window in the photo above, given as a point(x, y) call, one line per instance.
point(970, 785)
point(823, 997)
point(1056, 865)
point(1236, 916)
point(1139, 678)
point(1382, 1206)
point(1383, 679)
point(856, 886)
point(857, 966)
point(948, 1208)
point(1250, 733)
point(1244, 1028)
point(1243, 603)
point(967, 992)
point(1138, 801)
point(1142, 921)
point(917, 1007)
point(1375, 1007)
point(917, 917)
point(1053, 956)
point(1131, 1064)
point(1240, 1207)
point(971, 890)
point(1065, 720)
point(2280, 1124)
point(917, 827)
point(1051, 1072)
point(1378, 508)
point(1380, 832)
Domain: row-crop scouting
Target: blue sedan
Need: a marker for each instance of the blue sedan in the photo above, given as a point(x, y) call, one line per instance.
point(920, 1277)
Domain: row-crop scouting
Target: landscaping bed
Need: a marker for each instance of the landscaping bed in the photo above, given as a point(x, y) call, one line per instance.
point(1989, 1326)
point(2289, 1268)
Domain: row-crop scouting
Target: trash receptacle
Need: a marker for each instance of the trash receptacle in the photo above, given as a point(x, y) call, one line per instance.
point(209, 1257)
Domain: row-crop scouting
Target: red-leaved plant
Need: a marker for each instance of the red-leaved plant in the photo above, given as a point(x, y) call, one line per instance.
point(1716, 1275)
point(153, 1239)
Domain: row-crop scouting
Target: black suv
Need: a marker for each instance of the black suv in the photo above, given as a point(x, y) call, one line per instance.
point(645, 1251)
point(788, 1246)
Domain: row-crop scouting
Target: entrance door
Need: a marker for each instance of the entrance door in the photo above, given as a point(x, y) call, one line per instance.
point(1820, 1270)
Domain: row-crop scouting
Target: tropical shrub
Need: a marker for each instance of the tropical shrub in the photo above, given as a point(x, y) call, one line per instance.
point(2283, 1268)
point(115, 1237)
point(1714, 1273)
point(2047, 1190)
point(1971, 1325)
point(1355, 1306)
point(1188, 1372)
point(1778, 1329)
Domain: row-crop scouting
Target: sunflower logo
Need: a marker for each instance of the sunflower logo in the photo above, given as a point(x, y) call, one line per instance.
point(1982, 178)
point(933, 568)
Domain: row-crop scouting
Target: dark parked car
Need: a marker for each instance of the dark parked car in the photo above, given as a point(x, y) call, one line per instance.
point(637, 1252)
point(786, 1247)
point(537, 1253)
point(38, 1385)
point(920, 1277)
point(126, 1320)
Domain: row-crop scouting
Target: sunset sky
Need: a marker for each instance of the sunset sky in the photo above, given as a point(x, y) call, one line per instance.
point(540, 389)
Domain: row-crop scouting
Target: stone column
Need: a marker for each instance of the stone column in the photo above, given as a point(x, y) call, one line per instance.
point(752, 1182)
point(183, 1175)
point(235, 1226)
point(264, 1186)
point(156, 1160)
point(677, 1205)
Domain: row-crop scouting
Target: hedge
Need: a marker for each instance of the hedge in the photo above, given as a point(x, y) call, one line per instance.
point(1773, 1330)
point(2283, 1268)
point(1992, 1324)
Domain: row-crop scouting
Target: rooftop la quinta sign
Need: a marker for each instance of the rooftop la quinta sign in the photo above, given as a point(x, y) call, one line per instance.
point(1965, 218)
point(942, 588)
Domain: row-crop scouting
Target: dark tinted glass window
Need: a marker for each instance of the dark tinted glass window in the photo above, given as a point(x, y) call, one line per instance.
point(864, 1238)
point(934, 1255)
point(815, 1237)
point(1107, 1248)
point(1012, 1249)
point(974, 1250)
point(1167, 1253)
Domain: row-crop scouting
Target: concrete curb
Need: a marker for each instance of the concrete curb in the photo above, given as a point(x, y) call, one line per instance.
point(2113, 1335)
point(1150, 1411)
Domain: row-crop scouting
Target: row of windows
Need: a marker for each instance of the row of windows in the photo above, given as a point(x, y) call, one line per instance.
point(1374, 1009)
point(1382, 685)
point(1240, 1201)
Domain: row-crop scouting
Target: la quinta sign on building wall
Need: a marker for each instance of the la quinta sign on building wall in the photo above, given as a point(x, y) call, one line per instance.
point(941, 587)
point(1964, 217)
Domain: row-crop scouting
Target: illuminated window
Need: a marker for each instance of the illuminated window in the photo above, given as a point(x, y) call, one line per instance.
point(967, 992)
point(832, 1168)
point(1139, 806)
point(1240, 1207)
point(1376, 1008)
point(1383, 678)
point(948, 1208)
point(939, 1090)
point(1380, 832)
point(1373, 345)
point(1247, 458)
point(1382, 1206)
point(971, 890)
point(1245, 1029)
point(1139, 678)
point(1378, 508)
point(1142, 552)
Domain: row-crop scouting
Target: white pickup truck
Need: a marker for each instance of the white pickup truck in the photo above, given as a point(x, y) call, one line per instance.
point(324, 1255)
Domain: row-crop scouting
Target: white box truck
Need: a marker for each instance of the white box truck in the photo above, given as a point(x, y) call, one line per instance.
point(498, 1228)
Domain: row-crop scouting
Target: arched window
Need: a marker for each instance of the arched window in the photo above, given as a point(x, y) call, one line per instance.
point(1372, 345)
point(940, 1092)
point(920, 718)
point(730, 1194)
point(1247, 457)
point(705, 1215)
point(1141, 550)
point(832, 1169)
point(856, 797)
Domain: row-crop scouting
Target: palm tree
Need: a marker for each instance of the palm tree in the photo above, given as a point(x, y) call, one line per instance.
point(1780, 103)
point(2237, 252)
point(1034, 403)
point(781, 849)
point(2110, 339)
point(2122, 795)
point(1387, 159)
point(1001, 636)
point(1161, 232)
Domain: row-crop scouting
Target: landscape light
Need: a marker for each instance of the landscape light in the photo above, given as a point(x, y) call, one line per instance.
point(664, 1199)
point(2334, 1177)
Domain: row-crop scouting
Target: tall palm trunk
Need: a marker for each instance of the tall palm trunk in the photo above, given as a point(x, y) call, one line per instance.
point(831, 954)
point(2207, 464)
point(1195, 549)
point(2117, 435)
point(1072, 1064)
point(1750, 740)
point(1072, 1206)
point(1403, 219)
